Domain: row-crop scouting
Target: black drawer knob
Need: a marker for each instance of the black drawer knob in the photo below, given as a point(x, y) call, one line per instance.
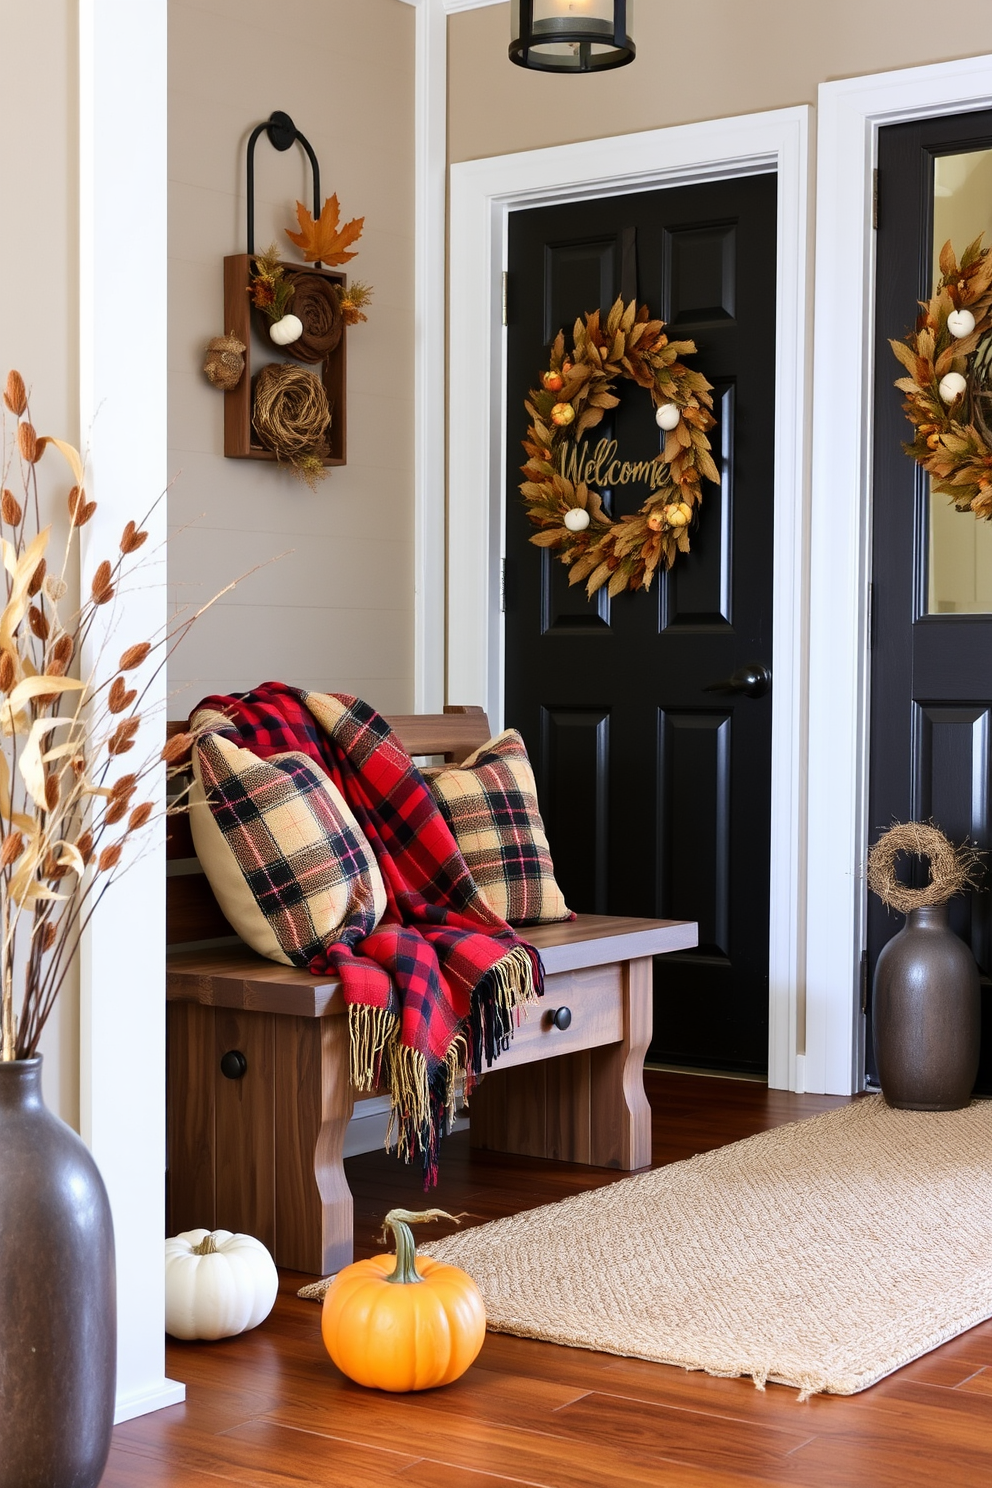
point(233, 1064)
point(561, 1018)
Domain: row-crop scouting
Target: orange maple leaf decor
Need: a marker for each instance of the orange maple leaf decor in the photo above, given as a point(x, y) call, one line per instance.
point(322, 240)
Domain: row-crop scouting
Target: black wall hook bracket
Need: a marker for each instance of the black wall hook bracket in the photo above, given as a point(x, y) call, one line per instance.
point(283, 134)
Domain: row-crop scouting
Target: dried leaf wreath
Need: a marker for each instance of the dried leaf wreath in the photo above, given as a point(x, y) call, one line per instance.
point(948, 392)
point(574, 395)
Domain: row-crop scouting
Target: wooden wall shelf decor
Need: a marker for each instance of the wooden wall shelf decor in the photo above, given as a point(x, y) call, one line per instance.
point(240, 440)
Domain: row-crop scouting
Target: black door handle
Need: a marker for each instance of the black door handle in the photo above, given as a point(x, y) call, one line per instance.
point(753, 680)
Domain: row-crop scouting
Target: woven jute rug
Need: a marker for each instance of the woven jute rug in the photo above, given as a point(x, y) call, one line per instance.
point(824, 1254)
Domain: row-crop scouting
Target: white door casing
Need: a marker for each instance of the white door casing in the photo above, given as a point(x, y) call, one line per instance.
point(482, 194)
point(850, 114)
point(122, 159)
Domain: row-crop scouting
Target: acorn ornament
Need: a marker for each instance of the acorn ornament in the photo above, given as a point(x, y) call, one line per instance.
point(224, 362)
point(952, 385)
point(667, 416)
point(577, 520)
point(960, 323)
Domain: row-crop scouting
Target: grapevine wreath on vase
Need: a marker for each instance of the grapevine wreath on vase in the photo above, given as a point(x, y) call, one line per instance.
point(948, 389)
point(574, 395)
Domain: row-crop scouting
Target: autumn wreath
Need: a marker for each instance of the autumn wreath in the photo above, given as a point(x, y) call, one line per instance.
point(560, 472)
point(949, 389)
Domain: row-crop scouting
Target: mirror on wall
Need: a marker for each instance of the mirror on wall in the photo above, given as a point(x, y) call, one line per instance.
point(960, 558)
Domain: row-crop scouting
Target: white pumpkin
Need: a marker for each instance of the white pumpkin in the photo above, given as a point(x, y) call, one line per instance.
point(960, 323)
point(576, 519)
point(287, 330)
point(952, 386)
point(217, 1284)
point(667, 416)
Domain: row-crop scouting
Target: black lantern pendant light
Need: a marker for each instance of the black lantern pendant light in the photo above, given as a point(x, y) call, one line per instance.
point(570, 35)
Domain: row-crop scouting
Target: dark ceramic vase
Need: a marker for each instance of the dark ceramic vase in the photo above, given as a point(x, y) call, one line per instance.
point(58, 1303)
point(926, 1015)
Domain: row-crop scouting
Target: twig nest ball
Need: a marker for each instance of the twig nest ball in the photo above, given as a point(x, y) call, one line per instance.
point(291, 413)
point(952, 385)
point(951, 868)
point(960, 323)
point(225, 361)
point(667, 416)
point(217, 1284)
point(576, 520)
point(286, 330)
point(316, 305)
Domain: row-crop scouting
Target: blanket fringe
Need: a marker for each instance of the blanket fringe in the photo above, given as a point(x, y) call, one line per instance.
point(422, 1109)
point(508, 985)
point(373, 1031)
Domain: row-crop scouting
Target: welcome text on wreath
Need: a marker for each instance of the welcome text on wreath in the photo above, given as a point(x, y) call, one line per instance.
point(602, 468)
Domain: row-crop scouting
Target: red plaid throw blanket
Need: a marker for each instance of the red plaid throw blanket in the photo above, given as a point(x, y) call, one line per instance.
point(436, 984)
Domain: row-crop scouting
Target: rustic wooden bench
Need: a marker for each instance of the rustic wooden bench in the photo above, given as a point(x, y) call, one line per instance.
point(259, 1097)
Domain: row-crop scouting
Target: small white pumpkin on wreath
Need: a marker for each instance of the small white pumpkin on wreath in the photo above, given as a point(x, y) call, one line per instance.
point(575, 393)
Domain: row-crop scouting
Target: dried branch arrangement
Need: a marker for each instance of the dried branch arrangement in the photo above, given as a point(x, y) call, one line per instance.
point(67, 809)
point(575, 393)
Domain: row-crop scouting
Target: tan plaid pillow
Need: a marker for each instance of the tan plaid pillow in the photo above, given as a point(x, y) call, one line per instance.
point(284, 855)
point(490, 804)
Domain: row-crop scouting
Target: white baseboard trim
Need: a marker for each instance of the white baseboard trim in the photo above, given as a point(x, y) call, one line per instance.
point(800, 1085)
point(152, 1398)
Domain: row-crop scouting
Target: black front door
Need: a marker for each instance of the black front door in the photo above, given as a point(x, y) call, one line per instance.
point(655, 787)
point(931, 672)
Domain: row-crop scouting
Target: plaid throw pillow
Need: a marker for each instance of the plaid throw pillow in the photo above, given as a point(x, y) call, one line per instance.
point(490, 804)
point(283, 853)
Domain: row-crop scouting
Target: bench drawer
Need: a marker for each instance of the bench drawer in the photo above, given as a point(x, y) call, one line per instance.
point(595, 1000)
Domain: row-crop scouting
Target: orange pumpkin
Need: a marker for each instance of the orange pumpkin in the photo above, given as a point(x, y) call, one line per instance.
point(403, 1322)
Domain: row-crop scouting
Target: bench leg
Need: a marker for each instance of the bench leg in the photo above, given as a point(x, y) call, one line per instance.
point(337, 1227)
point(587, 1107)
point(621, 1125)
point(314, 1098)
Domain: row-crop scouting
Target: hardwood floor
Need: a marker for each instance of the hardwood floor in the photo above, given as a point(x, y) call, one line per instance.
point(269, 1408)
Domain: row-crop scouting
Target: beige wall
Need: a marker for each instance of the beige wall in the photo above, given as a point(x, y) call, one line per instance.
point(693, 62)
point(338, 613)
point(39, 267)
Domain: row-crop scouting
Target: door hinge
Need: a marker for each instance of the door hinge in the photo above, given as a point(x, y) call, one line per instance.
point(504, 297)
point(864, 981)
point(502, 585)
point(874, 198)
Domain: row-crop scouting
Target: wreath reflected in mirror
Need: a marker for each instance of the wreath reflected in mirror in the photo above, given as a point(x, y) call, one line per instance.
point(949, 387)
point(563, 471)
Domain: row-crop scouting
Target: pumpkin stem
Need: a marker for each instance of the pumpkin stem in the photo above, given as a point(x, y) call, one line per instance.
point(399, 1221)
point(206, 1246)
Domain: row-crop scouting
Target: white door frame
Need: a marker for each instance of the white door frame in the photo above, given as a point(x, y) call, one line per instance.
point(482, 195)
point(851, 113)
point(123, 132)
